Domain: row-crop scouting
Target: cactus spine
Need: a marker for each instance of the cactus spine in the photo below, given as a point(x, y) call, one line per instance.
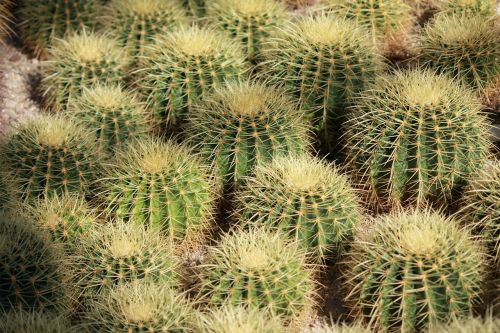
point(51, 155)
point(259, 269)
point(325, 327)
point(307, 199)
point(484, 8)
point(31, 322)
point(414, 137)
point(489, 324)
point(5, 16)
point(414, 269)
point(243, 124)
point(161, 185)
point(182, 67)
point(197, 8)
point(81, 61)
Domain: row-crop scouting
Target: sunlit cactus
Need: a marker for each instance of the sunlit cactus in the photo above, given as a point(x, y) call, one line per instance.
point(33, 322)
point(325, 327)
point(488, 324)
point(484, 8)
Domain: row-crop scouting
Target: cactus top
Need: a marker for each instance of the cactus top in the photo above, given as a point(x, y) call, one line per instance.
point(247, 8)
point(145, 7)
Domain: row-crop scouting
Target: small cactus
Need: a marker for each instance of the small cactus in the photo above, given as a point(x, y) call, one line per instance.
point(118, 253)
point(488, 324)
point(32, 277)
point(259, 269)
point(323, 61)
point(484, 8)
point(307, 199)
point(79, 61)
point(41, 22)
point(182, 67)
point(240, 319)
point(161, 185)
point(414, 137)
point(136, 22)
point(139, 307)
point(196, 8)
point(33, 322)
point(465, 47)
point(114, 115)
point(51, 155)
point(412, 270)
point(250, 22)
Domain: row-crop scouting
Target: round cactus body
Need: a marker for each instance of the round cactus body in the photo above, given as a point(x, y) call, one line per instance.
point(196, 8)
point(469, 7)
point(44, 21)
point(307, 199)
point(230, 319)
point(250, 22)
point(33, 322)
point(114, 115)
point(81, 61)
point(259, 269)
point(182, 67)
point(32, 271)
point(415, 137)
point(119, 253)
point(51, 155)
point(482, 206)
point(161, 185)
point(412, 270)
point(142, 307)
point(323, 62)
point(489, 324)
point(136, 22)
point(465, 47)
point(244, 124)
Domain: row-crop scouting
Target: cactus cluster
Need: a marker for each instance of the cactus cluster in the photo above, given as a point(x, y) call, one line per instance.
point(484, 8)
point(307, 199)
point(414, 137)
point(31, 322)
point(51, 155)
point(414, 269)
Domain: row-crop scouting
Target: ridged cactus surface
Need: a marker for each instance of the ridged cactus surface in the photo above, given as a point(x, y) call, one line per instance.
point(307, 199)
point(161, 185)
point(182, 67)
point(414, 137)
point(469, 7)
point(412, 270)
point(33, 322)
point(196, 8)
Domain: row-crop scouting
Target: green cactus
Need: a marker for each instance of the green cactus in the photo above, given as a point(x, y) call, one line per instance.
point(465, 47)
point(231, 319)
point(49, 155)
point(260, 269)
point(488, 324)
point(469, 7)
point(114, 115)
point(33, 272)
point(325, 327)
point(33, 322)
point(161, 185)
point(5, 18)
point(243, 124)
point(65, 218)
point(136, 22)
point(481, 207)
point(414, 137)
point(8, 194)
point(79, 61)
point(41, 22)
point(142, 307)
point(412, 270)
point(182, 67)
point(197, 8)
point(250, 22)
point(118, 253)
point(306, 198)
point(323, 61)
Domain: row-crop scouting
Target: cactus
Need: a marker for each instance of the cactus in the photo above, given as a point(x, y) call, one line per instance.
point(323, 61)
point(114, 115)
point(5, 17)
point(465, 47)
point(8, 193)
point(414, 137)
point(196, 8)
point(324, 327)
point(182, 67)
point(41, 22)
point(33, 322)
point(32, 277)
point(230, 319)
point(136, 22)
point(79, 61)
point(118, 253)
point(489, 324)
point(260, 269)
point(243, 124)
point(50, 155)
point(414, 269)
point(481, 207)
point(65, 218)
point(141, 307)
point(306, 198)
point(469, 7)
point(250, 22)
point(161, 185)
